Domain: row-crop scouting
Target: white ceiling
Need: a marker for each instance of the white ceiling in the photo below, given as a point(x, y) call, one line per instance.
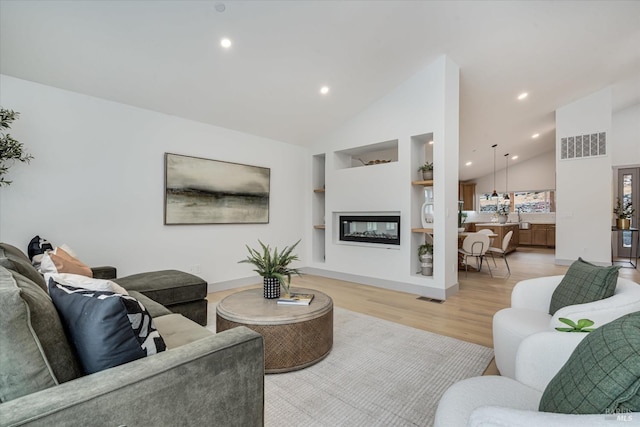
point(165, 56)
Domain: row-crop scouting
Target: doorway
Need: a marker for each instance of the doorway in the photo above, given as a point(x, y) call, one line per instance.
point(629, 191)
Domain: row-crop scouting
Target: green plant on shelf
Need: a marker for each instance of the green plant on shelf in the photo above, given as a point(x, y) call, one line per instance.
point(426, 248)
point(426, 167)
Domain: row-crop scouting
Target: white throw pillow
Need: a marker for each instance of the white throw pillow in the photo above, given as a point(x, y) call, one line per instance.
point(84, 282)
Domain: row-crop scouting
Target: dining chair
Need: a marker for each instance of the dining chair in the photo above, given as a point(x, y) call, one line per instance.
point(475, 245)
point(502, 251)
point(488, 232)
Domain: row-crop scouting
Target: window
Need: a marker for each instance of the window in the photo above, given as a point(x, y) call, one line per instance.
point(524, 201)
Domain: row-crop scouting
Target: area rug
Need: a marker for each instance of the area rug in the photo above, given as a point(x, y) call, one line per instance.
point(379, 373)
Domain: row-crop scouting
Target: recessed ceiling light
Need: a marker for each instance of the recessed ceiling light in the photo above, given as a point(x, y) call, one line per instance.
point(431, 142)
point(535, 135)
point(220, 7)
point(522, 96)
point(468, 163)
point(514, 157)
point(324, 90)
point(225, 43)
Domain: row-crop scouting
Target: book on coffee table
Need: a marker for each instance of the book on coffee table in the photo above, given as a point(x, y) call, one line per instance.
point(296, 299)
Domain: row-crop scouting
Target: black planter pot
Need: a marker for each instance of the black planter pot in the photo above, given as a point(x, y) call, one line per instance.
point(271, 287)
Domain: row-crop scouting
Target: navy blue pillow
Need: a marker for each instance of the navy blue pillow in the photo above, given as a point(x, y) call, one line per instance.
point(106, 329)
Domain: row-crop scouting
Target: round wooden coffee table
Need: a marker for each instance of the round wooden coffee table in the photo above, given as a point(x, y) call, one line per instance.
point(294, 336)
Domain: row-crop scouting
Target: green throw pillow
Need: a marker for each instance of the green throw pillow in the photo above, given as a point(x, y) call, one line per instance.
point(602, 376)
point(583, 283)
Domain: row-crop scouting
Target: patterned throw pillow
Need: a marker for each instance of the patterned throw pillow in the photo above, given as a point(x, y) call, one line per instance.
point(583, 283)
point(602, 376)
point(36, 248)
point(107, 329)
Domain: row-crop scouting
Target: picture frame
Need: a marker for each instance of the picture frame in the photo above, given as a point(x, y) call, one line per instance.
point(207, 191)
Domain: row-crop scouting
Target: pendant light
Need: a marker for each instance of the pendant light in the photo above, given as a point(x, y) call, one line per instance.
point(506, 177)
point(494, 195)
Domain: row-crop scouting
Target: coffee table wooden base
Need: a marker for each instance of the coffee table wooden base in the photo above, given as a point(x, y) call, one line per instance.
point(294, 336)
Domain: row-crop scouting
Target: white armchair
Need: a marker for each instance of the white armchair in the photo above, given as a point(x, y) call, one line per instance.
point(529, 314)
point(506, 402)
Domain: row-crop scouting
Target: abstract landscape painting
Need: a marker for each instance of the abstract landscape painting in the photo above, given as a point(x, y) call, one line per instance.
point(203, 191)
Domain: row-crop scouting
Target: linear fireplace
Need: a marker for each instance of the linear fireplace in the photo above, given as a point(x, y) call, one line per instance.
point(370, 229)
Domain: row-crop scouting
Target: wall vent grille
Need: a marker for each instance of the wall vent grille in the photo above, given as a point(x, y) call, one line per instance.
point(581, 146)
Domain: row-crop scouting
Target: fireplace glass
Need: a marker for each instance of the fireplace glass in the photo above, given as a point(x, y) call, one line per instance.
point(370, 229)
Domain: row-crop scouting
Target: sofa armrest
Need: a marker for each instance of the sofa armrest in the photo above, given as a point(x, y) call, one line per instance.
point(625, 300)
point(535, 294)
point(540, 356)
point(104, 272)
point(218, 380)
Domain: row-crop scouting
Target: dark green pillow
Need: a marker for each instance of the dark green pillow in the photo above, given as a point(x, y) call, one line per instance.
point(583, 283)
point(602, 376)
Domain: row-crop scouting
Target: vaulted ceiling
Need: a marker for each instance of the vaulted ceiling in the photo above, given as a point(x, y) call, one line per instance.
point(166, 56)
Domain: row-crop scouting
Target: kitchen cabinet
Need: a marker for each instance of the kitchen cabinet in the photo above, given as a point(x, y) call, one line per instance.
point(501, 230)
point(551, 236)
point(467, 193)
point(543, 235)
point(525, 237)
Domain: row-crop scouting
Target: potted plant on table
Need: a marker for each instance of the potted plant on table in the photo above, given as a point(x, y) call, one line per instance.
point(503, 213)
point(623, 214)
point(273, 266)
point(425, 254)
point(10, 149)
point(427, 170)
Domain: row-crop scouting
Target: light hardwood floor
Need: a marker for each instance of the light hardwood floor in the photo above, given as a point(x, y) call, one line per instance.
point(466, 315)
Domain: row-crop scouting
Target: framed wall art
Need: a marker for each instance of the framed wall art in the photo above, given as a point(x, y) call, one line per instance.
point(204, 191)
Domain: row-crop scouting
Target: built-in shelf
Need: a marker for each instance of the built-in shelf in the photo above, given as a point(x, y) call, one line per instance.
point(381, 153)
point(318, 163)
point(422, 201)
point(422, 230)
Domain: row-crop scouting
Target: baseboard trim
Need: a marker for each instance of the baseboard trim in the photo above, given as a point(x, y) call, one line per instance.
point(233, 284)
point(421, 290)
point(559, 261)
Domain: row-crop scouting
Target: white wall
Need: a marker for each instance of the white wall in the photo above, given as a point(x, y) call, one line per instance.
point(537, 173)
point(626, 136)
point(583, 214)
point(426, 103)
point(97, 184)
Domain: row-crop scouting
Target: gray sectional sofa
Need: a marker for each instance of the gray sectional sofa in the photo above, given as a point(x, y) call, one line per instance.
point(201, 379)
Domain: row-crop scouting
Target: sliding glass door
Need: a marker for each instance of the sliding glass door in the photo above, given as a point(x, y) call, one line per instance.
point(629, 191)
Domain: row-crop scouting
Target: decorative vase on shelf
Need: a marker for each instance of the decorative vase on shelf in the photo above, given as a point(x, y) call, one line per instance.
point(502, 219)
point(427, 175)
point(623, 223)
point(426, 216)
